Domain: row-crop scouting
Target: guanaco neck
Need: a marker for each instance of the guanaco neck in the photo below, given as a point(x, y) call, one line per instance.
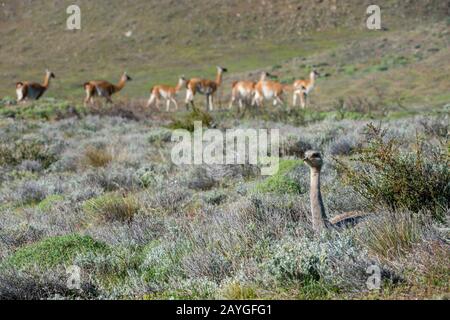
point(263, 78)
point(46, 80)
point(319, 217)
point(219, 78)
point(312, 80)
point(121, 84)
point(180, 85)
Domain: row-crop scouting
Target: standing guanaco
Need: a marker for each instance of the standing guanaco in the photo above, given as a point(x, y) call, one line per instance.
point(302, 88)
point(266, 90)
point(242, 91)
point(168, 93)
point(103, 88)
point(205, 87)
point(32, 90)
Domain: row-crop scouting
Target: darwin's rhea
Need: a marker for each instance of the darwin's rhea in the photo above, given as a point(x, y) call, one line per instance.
point(319, 218)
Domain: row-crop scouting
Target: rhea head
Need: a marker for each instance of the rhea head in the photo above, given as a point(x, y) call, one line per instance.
point(313, 159)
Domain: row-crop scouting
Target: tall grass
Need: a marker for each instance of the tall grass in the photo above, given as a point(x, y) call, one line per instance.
point(391, 235)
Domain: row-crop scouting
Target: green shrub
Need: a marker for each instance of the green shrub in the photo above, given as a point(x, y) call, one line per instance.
point(54, 251)
point(350, 70)
point(383, 175)
point(47, 109)
point(283, 181)
point(215, 197)
point(49, 201)
point(163, 260)
point(7, 101)
point(150, 176)
point(15, 153)
point(112, 207)
point(187, 121)
point(295, 116)
point(383, 67)
point(297, 262)
point(159, 136)
point(114, 268)
point(304, 265)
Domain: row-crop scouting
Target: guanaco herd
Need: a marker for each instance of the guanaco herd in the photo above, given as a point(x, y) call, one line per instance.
point(244, 92)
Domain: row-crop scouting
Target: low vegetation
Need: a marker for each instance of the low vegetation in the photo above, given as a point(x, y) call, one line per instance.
point(109, 201)
point(286, 180)
point(417, 181)
point(112, 207)
point(54, 251)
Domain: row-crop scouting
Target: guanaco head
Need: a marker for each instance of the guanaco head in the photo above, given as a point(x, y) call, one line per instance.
point(313, 159)
point(182, 82)
point(314, 74)
point(50, 74)
point(221, 69)
point(126, 77)
point(265, 75)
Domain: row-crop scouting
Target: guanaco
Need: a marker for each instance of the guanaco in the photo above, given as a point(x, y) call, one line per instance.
point(266, 90)
point(205, 87)
point(168, 93)
point(103, 89)
point(302, 88)
point(33, 91)
point(242, 91)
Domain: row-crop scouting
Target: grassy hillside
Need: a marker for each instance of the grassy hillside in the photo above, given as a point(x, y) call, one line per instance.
point(190, 37)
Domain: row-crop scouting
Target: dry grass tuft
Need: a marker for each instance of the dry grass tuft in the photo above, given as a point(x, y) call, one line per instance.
point(112, 208)
point(97, 157)
point(392, 235)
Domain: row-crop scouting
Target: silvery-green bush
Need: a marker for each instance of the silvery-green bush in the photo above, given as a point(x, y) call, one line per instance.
point(337, 261)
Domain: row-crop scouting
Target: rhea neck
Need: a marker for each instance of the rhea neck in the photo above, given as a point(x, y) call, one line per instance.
point(317, 208)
